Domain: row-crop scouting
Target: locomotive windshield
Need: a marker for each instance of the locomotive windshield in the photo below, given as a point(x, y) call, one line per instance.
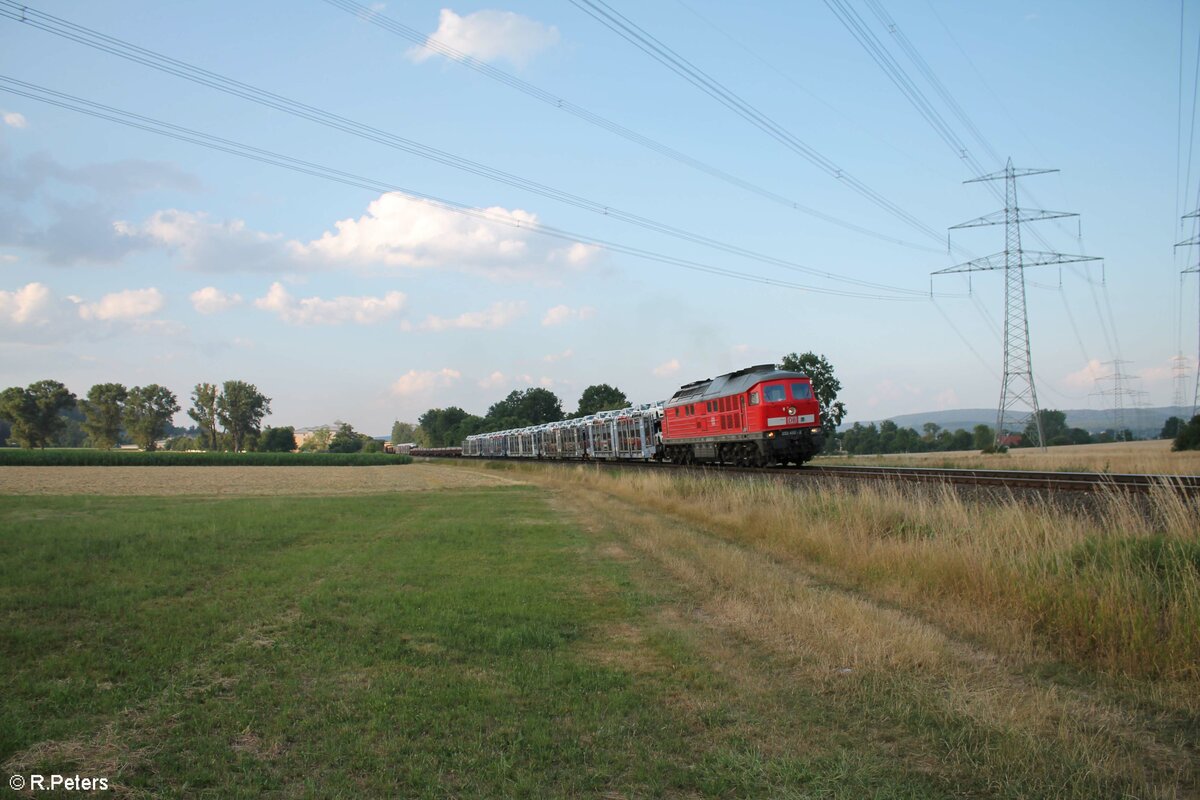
point(801, 391)
point(775, 394)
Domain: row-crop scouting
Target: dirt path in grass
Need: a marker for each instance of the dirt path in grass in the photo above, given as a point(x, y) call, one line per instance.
point(233, 481)
point(876, 678)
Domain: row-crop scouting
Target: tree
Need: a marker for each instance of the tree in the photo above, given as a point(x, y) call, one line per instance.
point(317, 441)
point(277, 440)
point(1171, 428)
point(5, 432)
point(447, 427)
point(240, 410)
point(34, 412)
point(984, 436)
point(103, 412)
point(204, 411)
point(1054, 428)
point(345, 440)
point(600, 397)
point(148, 411)
point(521, 408)
point(403, 432)
point(825, 386)
point(1188, 437)
point(931, 431)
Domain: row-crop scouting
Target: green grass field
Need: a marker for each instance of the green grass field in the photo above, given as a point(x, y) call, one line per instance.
point(522, 641)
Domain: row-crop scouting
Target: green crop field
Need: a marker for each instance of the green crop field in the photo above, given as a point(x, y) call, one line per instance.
point(544, 638)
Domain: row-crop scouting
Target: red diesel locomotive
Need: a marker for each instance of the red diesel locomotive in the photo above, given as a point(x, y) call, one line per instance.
point(755, 416)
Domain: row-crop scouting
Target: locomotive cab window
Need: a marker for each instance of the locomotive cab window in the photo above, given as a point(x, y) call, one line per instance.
point(801, 391)
point(754, 398)
point(775, 394)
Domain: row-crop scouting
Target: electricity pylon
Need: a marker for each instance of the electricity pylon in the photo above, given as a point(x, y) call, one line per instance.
point(1195, 240)
point(1017, 387)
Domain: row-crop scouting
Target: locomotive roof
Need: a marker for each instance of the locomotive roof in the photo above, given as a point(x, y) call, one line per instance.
point(731, 383)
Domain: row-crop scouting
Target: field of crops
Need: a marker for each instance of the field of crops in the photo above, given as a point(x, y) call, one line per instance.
point(87, 457)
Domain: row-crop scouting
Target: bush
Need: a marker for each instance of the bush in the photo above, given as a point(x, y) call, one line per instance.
point(1188, 437)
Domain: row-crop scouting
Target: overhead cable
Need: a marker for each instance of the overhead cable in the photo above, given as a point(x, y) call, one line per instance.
point(150, 125)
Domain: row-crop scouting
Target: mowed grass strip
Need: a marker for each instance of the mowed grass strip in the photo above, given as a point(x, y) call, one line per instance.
point(464, 644)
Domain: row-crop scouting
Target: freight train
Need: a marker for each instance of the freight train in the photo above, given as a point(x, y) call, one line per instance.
point(756, 416)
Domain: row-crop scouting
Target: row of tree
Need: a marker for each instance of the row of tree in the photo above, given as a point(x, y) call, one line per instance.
point(111, 413)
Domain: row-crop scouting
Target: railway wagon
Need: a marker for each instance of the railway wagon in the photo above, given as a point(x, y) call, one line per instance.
point(625, 434)
point(753, 417)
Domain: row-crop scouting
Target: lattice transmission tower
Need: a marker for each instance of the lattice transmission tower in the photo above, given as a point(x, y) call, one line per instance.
point(1018, 395)
point(1124, 398)
point(1195, 240)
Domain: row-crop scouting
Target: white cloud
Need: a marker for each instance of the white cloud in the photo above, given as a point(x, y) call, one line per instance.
point(211, 300)
point(553, 357)
point(126, 305)
point(34, 314)
point(490, 35)
point(402, 232)
point(1086, 377)
point(214, 246)
point(335, 311)
point(8, 258)
point(14, 120)
point(561, 313)
point(27, 305)
point(497, 315)
point(492, 381)
point(414, 382)
point(667, 368)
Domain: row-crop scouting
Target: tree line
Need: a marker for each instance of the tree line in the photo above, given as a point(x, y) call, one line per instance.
point(227, 418)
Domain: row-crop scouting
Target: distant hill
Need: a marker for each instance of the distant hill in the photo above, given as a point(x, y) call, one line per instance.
point(1144, 422)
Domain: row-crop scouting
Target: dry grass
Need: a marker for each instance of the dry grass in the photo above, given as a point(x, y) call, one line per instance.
point(1154, 458)
point(888, 665)
point(1117, 592)
point(236, 481)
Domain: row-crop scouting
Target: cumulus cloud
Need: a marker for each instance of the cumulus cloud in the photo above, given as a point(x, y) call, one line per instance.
point(211, 300)
point(667, 368)
point(34, 314)
point(497, 315)
point(213, 245)
point(414, 382)
point(553, 357)
point(489, 35)
point(335, 311)
point(492, 381)
point(403, 232)
point(14, 119)
point(126, 305)
point(561, 313)
point(1085, 378)
point(27, 305)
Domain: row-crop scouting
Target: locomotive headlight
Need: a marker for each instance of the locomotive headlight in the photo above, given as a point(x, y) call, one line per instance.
point(771, 435)
point(791, 411)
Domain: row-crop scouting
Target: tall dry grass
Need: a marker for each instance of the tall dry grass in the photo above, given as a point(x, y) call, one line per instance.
point(1116, 590)
point(1144, 458)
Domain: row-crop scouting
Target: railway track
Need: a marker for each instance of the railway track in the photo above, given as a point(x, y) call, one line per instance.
point(1009, 479)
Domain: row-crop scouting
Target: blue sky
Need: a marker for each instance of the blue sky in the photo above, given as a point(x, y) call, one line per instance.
point(127, 256)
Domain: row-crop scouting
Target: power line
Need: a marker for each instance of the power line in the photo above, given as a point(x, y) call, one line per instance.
point(150, 125)
point(647, 43)
point(483, 68)
point(278, 102)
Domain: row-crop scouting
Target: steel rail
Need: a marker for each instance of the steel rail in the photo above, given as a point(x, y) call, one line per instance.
point(1011, 479)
